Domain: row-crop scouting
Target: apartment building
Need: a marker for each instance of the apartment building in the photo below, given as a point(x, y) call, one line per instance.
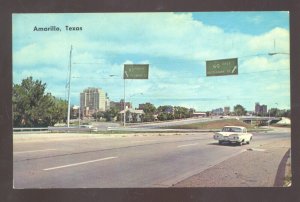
point(93, 100)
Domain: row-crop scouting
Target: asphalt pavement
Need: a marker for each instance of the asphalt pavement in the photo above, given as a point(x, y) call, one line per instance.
point(120, 160)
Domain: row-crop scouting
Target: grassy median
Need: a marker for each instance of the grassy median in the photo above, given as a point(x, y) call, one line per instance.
point(218, 124)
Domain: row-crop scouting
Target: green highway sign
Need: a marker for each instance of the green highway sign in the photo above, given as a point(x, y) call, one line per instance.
point(222, 67)
point(136, 71)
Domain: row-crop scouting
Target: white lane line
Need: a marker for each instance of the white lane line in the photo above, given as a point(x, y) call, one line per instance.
point(34, 151)
point(139, 141)
point(187, 145)
point(81, 163)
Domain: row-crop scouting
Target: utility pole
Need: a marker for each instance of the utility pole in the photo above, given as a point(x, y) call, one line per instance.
point(69, 89)
point(124, 123)
point(79, 116)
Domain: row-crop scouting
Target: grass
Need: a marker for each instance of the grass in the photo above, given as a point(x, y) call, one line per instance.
point(282, 125)
point(218, 124)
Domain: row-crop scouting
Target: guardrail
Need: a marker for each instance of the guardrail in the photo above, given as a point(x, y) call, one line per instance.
point(71, 129)
point(29, 129)
point(56, 129)
point(159, 130)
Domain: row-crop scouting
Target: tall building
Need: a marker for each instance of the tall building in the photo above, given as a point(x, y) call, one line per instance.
point(226, 110)
point(260, 109)
point(218, 111)
point(92, 100)
point(257, 108)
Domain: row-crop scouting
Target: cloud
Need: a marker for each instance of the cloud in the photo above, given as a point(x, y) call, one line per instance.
point(174, 44)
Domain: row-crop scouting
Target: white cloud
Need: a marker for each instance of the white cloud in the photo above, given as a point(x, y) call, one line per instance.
point(175, 45)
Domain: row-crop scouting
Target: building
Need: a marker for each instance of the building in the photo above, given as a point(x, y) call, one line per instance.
point(120, 105)
point(218, 111)
point(199, 114)
point(132, 115)
point(92, 100)
point(74, 111)
point(261, 109)
point(226, 110)
point(107, 102)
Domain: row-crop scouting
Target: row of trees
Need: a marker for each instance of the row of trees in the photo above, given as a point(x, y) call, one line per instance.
point(33, 107)
point(151, 113)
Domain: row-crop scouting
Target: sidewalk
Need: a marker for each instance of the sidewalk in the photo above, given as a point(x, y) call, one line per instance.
point(257, 167)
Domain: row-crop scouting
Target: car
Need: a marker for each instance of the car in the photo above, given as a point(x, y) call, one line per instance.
point(233, 134)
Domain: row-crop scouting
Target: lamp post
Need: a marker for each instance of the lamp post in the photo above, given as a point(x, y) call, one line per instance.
point(124, 104)
point(79, 116)
point(269, 122)
point(69, 89)
point(124, 116)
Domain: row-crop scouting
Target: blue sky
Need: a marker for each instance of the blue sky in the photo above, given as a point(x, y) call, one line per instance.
point(175, 45)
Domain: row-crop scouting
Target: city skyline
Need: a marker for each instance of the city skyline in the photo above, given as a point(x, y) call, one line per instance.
point(176, 47)
point(258, 108)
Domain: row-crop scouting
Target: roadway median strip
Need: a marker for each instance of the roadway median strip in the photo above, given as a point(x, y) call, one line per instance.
point(77, 164)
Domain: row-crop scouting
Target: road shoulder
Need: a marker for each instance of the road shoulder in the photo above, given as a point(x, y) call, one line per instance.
point(256, 167)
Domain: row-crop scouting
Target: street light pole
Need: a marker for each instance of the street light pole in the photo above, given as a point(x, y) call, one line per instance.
point(269, 119)
point(69, 89)
point(79, 117)
point(124, 123)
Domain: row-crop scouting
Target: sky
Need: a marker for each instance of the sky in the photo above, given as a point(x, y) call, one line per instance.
point(175, 45)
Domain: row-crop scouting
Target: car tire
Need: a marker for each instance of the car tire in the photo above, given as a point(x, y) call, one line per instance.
point(248, 142)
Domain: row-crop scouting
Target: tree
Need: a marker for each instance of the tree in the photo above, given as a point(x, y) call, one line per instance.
point(110, 114)
point(32, 107)
point(239, 110)
point(274, 112)
point(165, 112)
point(98, 115)
point(149, 110)
point(58, 111)
point(191, 112)
point(162, 117)
point(181, 112)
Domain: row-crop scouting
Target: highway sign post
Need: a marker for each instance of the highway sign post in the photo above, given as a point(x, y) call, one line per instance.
point(222, 67)
point(136, 71)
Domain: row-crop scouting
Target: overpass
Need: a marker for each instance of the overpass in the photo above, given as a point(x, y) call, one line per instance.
point(258, 120)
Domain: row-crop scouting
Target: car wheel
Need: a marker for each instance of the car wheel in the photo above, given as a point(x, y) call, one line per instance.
point(248, 142)
point(241, 143)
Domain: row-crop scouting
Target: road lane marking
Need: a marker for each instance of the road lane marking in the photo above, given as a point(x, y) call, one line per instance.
point(34, 151)
point(186, 145)
point(143, 141)
point(81, 163)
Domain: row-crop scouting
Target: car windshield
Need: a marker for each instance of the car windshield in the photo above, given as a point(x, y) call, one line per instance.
point(231, 129)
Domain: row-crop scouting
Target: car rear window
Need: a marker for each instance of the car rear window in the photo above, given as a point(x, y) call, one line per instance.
point(231, 129)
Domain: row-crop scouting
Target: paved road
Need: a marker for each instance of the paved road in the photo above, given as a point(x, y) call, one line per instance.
point(131, 160)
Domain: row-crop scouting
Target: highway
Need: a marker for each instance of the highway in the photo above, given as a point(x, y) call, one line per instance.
point(120, 160)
